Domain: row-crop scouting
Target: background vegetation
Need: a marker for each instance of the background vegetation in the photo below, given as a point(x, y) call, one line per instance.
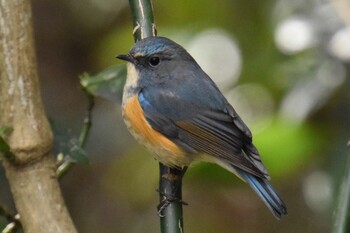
point(283, 64)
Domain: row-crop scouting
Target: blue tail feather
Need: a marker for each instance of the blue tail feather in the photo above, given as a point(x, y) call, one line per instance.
point(263, 188)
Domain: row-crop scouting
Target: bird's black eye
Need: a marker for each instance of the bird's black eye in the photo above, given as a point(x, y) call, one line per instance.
point(154, 61)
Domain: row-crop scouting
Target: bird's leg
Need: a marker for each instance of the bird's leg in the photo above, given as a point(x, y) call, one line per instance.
point(169, 193)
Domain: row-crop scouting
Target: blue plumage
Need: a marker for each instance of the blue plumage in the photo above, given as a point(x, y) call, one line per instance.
point(148, 47)
point(265, 191)
point(182, 103)
point(144, 103)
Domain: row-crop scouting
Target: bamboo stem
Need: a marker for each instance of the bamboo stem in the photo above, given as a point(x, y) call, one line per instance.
point(342, 215)
point(170, 179)
point(32, 179)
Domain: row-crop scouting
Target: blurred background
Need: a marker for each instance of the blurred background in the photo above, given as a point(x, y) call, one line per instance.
point(284, 65)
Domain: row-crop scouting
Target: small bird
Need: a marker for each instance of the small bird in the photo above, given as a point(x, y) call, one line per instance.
point(171, 106)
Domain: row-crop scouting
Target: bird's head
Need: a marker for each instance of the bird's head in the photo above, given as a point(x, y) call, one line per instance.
point(156, 55)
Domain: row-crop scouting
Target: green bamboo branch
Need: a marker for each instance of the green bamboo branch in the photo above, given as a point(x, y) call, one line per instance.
point(170, 178)
point(143, 21)
point(170, 195)
point(342, 214)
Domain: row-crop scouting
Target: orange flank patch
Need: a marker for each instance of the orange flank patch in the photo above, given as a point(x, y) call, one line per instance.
point(165, 150)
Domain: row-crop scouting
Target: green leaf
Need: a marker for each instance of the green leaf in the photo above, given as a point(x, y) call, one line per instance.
point(76, 152)
point(4, 131)
point(4, 146)
point(67, 144)
point(107, 84)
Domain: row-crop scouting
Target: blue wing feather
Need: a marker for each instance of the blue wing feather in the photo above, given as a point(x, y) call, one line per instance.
point(265, 191)
point(213, 131)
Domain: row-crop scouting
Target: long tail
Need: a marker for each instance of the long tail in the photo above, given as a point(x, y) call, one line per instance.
point(265, 191)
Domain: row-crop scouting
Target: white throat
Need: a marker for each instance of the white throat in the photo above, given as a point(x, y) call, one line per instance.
point(131, 82)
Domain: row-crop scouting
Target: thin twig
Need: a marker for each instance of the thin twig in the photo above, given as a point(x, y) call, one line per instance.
point(13, 221)
point(69, 163)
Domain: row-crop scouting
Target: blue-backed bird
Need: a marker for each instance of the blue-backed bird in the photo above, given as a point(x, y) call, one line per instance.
point(173, 107)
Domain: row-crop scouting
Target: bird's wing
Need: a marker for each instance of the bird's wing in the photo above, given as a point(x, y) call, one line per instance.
point(204, 125)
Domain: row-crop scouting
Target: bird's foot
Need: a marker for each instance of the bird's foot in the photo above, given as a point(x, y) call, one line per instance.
point(167, 200)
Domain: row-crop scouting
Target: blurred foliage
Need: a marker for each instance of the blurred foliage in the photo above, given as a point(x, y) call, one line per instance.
point(4, 131)
point(4, 146)
point(130, 176)
point(117, 192)
point(8, 222)
point(107, 84)
point(67, 145)
point(286, 146)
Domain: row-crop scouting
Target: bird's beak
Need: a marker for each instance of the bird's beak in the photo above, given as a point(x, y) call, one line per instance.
point(126, 57)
